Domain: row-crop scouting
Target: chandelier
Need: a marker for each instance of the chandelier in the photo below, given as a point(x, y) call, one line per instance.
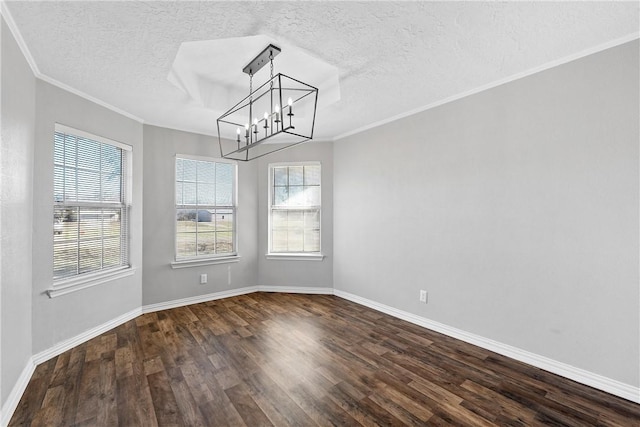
point(279, 114)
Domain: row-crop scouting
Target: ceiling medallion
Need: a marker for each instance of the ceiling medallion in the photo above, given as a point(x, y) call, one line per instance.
point(279, 114)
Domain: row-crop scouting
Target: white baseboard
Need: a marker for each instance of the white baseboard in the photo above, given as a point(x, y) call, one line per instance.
point(150, 308)
point(296, 289)
point(68, 344)
point(582, 376)
point(13, 399)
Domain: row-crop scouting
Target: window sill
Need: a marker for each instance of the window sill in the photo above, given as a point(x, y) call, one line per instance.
point(66, 286)
point(186, 263)
point(295, 257)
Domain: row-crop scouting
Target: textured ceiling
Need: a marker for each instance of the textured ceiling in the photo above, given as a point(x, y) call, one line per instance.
point(391, 57)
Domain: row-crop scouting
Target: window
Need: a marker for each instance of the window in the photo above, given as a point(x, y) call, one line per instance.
point(90, 204)
point(294, 208)
point(205, 208)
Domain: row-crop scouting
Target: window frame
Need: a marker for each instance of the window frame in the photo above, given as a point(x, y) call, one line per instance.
point(208, 259)
point(300, 255)
point(67, 284)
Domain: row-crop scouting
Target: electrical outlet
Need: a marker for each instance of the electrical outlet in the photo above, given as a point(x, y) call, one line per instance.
point(423, 296)
point(203, 279)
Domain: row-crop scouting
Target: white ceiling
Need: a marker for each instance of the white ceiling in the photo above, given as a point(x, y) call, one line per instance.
point(392, 57)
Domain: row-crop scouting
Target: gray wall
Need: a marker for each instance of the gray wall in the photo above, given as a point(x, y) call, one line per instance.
point(16, 178)
point(66, 316)
point(515, 208)
point(273, 272)
point(161, 282)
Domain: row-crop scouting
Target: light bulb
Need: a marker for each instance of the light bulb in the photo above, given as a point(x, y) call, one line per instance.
point(255, 122)
point(290, 102)
point(266, 115)
point(277, 108)
point(238, 131)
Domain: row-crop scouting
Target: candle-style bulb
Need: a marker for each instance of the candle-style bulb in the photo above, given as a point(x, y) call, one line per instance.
point(266, 115)
point(255, 121)
point(277, 108)
point(290, 102)
point(238, 131)
point(238, 134)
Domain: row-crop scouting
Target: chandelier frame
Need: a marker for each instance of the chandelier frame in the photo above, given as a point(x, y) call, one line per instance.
point(279, 126)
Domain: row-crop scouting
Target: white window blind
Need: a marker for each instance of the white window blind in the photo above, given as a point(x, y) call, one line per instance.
point(294, 208)
point(205, 208)
point(90, 212)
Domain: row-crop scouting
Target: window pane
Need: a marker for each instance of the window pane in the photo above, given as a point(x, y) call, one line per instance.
point(186, 245)
point(90, 255)
point(88, 186)
point(112, 251)
point(65, 258)
point(189, 170)
point(279, 220)
point(295, 240)
point(279, 240)
point(179, 169)
point(90, 224)
point(312, 240)
point(88, 154)
point(296, 196)
point(186, 220)
point(206, 172)
point(296, 219)
point(295, 175)
point(58, 149)
point(206, 221)
point(224, 184)
point(206, 243)
point(111, 188)
point(224, 242)
point(206, 193)
point(70, 185)
point(70, 150)
point(311, 220)
point(189, 193)
point(111, 160)
point(312, 175)
point(179, 193)
point(111, 223)
point(58, 184)
point(312, 196)
point(224, 220)
point(280, 196)
point(280, 176)
point(63, 228)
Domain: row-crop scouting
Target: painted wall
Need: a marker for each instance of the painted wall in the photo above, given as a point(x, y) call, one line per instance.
point(66, 316)
point(273, 272)
point(515, 208)
point(161, 282)
point(16, 177)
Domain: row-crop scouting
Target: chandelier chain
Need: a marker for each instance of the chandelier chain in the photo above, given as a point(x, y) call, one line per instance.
point(271, 61)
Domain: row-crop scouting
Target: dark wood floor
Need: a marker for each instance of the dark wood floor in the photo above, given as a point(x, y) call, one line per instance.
point(299, 360)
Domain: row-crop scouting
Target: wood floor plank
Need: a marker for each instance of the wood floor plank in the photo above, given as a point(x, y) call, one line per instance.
point(240, 397)
point(298, 360)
